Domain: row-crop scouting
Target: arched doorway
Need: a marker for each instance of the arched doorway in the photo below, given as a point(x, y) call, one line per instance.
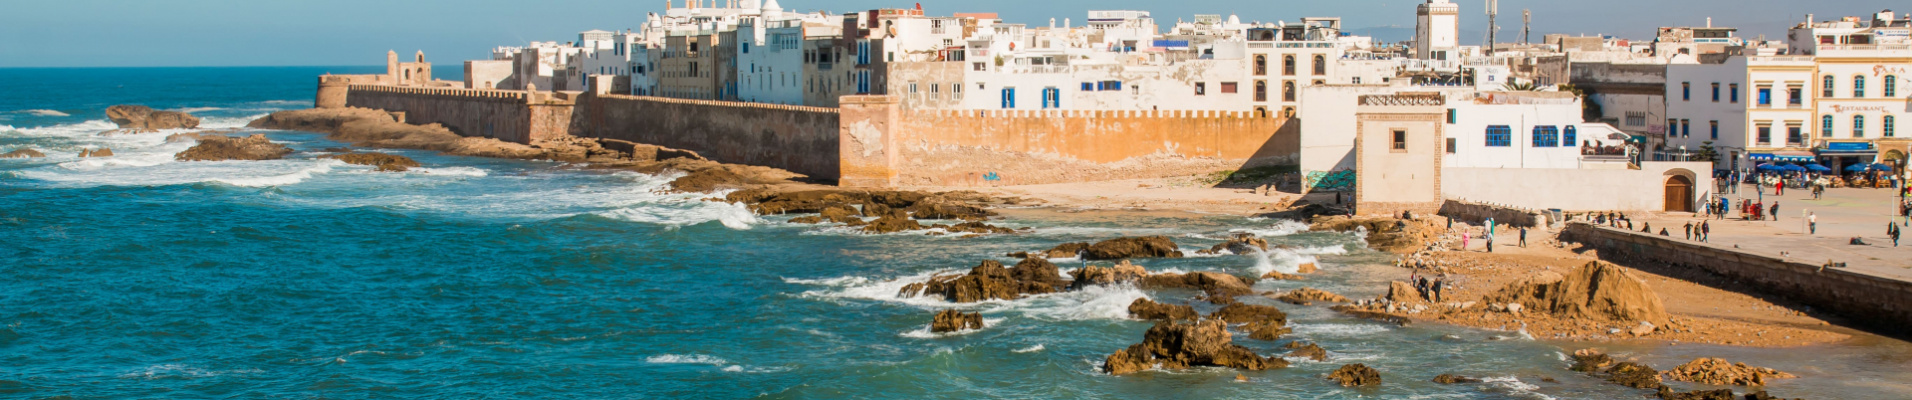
point(1679, 194)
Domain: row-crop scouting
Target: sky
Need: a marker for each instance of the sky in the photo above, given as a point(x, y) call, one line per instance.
point(131, 33)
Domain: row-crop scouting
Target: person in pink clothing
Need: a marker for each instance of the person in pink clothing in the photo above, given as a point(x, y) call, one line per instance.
point(1466, 236)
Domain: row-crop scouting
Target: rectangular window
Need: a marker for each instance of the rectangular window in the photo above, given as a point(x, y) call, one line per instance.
point(1452, 115)
point(1009, 97)
point(1825, 126)
point(1357, 80)
point(912, 87)
point(1826, 89)
point(1109, 85)
point(1452, 145)
point(1201, 89)
point(1795, 96)
point(1795, 134)
point(1886, 124)
point(979, 66)
point(1765, 96)
point(1765, 134)
point(1400, 141)
point(1732, 92)
point(1228, 87)
point(1546, 136)
point(1715, 92)
point(1715, 126)
point(1686, 128)
point(1051, 97)
point(1500, 136)
point(1088, 86)
point(1686, 91)
point(1858, 126)
point(1636, 118)
point(956, 92)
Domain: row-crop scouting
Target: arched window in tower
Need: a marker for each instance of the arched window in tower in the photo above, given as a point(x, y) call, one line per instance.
point(1261, 64)
point(1288, 64)
point(1288, 91)
point(1320, 65)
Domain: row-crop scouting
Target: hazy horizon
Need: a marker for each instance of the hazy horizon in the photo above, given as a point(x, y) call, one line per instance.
point(218, 33)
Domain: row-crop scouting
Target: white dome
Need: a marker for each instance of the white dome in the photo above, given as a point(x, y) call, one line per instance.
point(1233, 20)
point(771, 5)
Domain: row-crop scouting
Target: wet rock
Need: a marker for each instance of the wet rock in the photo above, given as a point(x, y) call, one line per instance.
point(101, 152)
point(987, 281)
point(1066, 250)
point(1277, 275)
point(952, 321)
point(1590, 360)
point(1262, 322)
point(23, 153)
point(1717, 371)
point(1364, 313)
point(1402, 292)
point(1218, 287)
point(1241, 243)
point(1121, 272)
point(708, 180)
point(1306, 268)
point(184, 137)
point(975, 227)
point(1597, 291)
point(1353, 375)
point(222, 148)
point(891, 224)
point(1146, 309)
point(1307, 296)
point(1449, 379)
point(937, 209)
point(1391, 235)
point(1184, 345)
point(1761, 395)
point(1038, 271)
point(143, 119)
point(1306, 350)
point(384, 162)
point(811, 219)
point(1634, 375)
point(840, 214)
point(1133, 247)
point(1720, 394)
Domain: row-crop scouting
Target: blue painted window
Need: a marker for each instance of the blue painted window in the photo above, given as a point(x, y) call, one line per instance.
point(1891, 86)
point(1858, 126)
point(1546, 136)
point(1765, 96)
point(1686, 128)
point(1732, 90)
point(1686, 91)
point(1572, 137)
point(1500, 136)
point(1051, 97)
point(1715, 125)
point(1088, 86)
point(1886, 124)
point(1008, 97)
point(1825, 126)
point(1859, 86)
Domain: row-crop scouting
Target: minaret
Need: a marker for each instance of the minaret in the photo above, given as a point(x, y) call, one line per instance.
point(391, 64)
point(1437, 29)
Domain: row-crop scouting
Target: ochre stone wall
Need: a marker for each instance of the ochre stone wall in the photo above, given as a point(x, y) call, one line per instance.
point(1476, 213)
point(478, 113)
point(1879, 304)
point(796, 138)
point(998, 147)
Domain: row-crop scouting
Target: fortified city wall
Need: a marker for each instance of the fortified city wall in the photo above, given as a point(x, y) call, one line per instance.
point(511, 116)
point(1880, 304)
point(796, 138)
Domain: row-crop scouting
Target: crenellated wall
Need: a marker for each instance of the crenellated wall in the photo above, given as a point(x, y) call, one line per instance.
point(512, 116)
point(796, 138)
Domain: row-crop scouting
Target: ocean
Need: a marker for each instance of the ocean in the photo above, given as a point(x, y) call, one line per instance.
point(135, 276)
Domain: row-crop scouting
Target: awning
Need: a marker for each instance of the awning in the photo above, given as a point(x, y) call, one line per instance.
point(1790, 156)
point(1848, 149)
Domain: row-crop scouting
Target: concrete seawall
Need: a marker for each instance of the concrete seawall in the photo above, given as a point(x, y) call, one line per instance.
point(1877, 304)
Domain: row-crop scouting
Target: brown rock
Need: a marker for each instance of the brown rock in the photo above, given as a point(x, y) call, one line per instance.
point(101, 152)
point(1307, 268)
point(1720, 394)
point(1183, 345)
point(1716, 371)
point(891, 224)
point(1220, 288)
point(1352, 375)
point(23, 153)
point(708, 180)
point(1146, 309)
point(952, 320)
point(1590, 360)
point(936, 209)
point(1597, 291)
point(221, 148)
point(144, 119)
point(1133, 247)
point(1277, 275)
point(1363, 313)
point(840, 214)
point(1307, 296)
point(1761, 395)
point(384, 162)
point(1449, 379)
point(1634, 375)
point(1262, 322)
point(1402, 292)
point(975, 227)
point(1307, 350)
point(809, 219)
point(1066, 250)
point(1391, 235)
point(1241, 243)
point(1121, 272)
point(1038, 271)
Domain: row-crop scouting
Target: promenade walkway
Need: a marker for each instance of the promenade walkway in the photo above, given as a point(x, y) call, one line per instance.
point(1843, 214)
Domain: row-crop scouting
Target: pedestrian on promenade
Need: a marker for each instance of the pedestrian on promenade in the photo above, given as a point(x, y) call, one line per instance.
point(1663, 233)
point(1645, 227)
point(1467, 235)
point(1812, 223)
point(1689, 231)
point(1892, 231)
point(1706, 231)
point(1723, 204)
point(1523, 237)
point(1775, 210)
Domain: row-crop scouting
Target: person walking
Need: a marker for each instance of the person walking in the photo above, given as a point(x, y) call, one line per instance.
point(1439, 283)
point(1467, 235)
point(1775, 210)
point(1523, 237)
point(1892, 231)
point(1706, 231)
point(1689, 231)
point(1812, 223)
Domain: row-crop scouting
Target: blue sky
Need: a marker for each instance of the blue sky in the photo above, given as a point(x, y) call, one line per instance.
point(79, 33)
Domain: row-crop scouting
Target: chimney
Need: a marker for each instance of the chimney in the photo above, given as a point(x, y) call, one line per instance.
point(1052, 23)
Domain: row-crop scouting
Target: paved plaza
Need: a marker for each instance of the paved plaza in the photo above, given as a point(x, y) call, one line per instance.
point(1843, 213)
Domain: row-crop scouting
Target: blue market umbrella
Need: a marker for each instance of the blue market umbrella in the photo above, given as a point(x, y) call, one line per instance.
point(1766, 167)
point(1856, 168)
point(1793, 168)
point(1818, 168)
point(1881, 167)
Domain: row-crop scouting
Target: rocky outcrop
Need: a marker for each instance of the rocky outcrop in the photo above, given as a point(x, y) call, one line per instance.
point(143, 119)
point(952, 321)
point(100, 152)
point(23, 153)
point(375, 128)
point(1717, 371)
point(383, 162)
point(1449, 379)
point(1277, 275)
point(1241, 243)
point(1306, 350)
point(1146, 309)
point(990, 280)
point(1218, 288)
point(1133, 247)
point(1590, 360)
point(1596, 291)
point(1402, 292)
point(1353, 375)
point(1121, 272)
point(892, 224)
point(1184, 345)
point(1307, 296)
point(1391, 235)
point(974, 227)
point(1718, 394)
point(222, 148)
point(1261, 322)
point(1634, 375)
point(1066, 250)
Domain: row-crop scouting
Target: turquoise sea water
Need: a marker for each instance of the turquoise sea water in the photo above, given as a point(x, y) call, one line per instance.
point(135, 276)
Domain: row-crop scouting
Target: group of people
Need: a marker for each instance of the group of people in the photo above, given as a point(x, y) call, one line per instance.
point(1430, 290)
point(1698, 231)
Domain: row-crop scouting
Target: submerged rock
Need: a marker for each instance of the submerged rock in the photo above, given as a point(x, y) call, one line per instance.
point(1720, 394)
point(1590, 360)
point(1277, 275)
point(1219, 288)
point(1306, 350)
point(1717, 371)
point(143, 119)
point(221, 148)
point(1184, 345)
point(1133, 247)
point(952, 321)
point(1352, 375)
point(1634, 375)
point(1121, 272)
point(891, 224)
point(384, 162)
point(1262, 322)
point(1449, 379)
point(101, 152)
point(1146, 309)
point(1066, 250)
point(1307, 296)
point(23, 153)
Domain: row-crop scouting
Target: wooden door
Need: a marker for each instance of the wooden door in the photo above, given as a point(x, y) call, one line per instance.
point(1679, 194)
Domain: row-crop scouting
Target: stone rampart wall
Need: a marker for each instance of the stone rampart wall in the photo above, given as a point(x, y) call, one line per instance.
point(497, 114)
point(1478, 213)
point(1879, 304)
point(796, 138)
